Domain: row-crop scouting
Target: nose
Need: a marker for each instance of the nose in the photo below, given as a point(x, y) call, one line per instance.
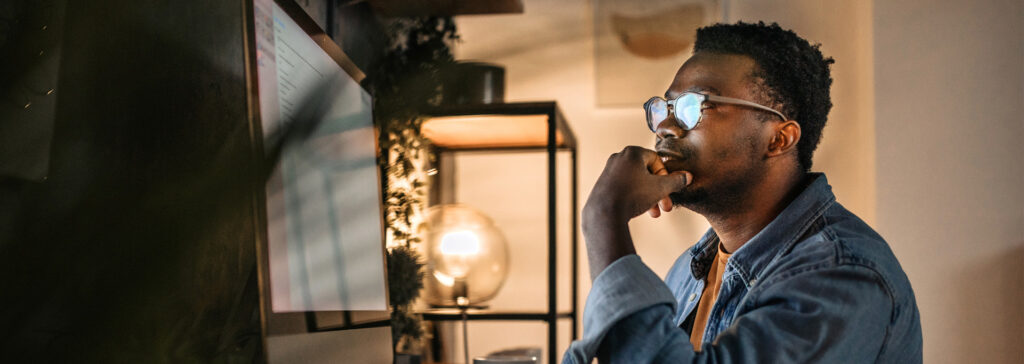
point(669, 128)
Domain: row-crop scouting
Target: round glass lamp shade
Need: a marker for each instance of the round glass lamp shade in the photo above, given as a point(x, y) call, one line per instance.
point(467, 256)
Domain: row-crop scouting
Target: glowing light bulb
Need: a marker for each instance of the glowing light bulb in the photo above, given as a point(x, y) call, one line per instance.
point(467, 256)
point(463, 242)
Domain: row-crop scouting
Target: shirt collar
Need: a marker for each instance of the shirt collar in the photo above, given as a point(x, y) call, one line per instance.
point(776, 238)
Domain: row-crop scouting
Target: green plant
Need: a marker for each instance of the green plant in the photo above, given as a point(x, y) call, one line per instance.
point(405, 81)
point(405, 280)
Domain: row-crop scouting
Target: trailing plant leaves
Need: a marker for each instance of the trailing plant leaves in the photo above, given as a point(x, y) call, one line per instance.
point(404, 83)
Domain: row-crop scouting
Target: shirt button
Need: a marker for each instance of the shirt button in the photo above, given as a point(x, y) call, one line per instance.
point(753, 282)
point(693, 296)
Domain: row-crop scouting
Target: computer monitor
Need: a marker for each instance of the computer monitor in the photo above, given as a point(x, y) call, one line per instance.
point(324, 248)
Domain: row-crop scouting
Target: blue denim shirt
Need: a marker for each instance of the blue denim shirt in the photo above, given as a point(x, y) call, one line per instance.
point(815, 285)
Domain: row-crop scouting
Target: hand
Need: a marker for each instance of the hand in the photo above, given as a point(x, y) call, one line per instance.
point(633, 181)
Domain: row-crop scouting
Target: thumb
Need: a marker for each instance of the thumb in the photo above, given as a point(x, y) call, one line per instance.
point(675, 181)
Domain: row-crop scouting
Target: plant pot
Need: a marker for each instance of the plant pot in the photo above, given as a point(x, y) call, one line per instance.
point(472, 83)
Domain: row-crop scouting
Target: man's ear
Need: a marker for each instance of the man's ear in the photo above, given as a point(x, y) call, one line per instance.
point(785, 136)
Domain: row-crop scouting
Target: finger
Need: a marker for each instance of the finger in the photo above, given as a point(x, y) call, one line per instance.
point(649, 158)
point(654, 212)
point(654, 163)
point(658, 169)
point(665, 203)
point(674, 182)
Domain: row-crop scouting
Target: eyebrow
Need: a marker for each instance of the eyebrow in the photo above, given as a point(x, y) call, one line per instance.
point(697, 89)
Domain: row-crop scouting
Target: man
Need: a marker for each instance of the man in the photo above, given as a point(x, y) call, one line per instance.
point(785, 274)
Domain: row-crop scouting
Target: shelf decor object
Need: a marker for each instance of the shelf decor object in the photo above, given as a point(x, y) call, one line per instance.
point(467, 257)
point(521, 127)
point(467, 260)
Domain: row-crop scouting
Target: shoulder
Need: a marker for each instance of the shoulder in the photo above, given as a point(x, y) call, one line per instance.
point(838, 240)
point(857, 244)
point(842, 263)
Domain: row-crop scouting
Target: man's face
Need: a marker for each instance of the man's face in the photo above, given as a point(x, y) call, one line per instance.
point(725, 151)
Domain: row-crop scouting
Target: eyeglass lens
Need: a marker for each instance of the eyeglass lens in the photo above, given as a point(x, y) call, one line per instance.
point(686, 110)
point(657, 110)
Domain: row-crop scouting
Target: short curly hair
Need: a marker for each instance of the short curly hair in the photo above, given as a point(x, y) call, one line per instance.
point(792, 73)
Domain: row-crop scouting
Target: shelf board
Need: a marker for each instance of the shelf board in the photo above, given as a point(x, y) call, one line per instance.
point(488, 131)
point(452, 314)
point(407, 8)
point(497, 126)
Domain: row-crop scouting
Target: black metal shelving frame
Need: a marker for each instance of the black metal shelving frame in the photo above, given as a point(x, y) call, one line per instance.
point(556, 126)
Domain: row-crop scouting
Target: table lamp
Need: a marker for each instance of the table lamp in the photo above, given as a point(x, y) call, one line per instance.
point(467, 257)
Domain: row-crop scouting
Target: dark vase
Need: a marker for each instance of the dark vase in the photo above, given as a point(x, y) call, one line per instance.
point(473, 83)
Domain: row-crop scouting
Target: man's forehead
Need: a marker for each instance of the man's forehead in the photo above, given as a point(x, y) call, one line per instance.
point(671, 94)
point(712, 73)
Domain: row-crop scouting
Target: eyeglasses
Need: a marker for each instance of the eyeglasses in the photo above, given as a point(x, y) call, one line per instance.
point(688, 109)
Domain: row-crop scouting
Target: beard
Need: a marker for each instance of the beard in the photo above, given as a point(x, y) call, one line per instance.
point(727, 191)
point(721, 198)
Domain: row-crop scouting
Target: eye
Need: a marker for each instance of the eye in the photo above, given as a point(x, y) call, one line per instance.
point(707, 105)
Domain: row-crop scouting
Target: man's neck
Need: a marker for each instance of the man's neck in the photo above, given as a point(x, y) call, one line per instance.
point(764, 203)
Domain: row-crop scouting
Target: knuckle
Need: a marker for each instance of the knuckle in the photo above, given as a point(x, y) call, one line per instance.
point(633, 151)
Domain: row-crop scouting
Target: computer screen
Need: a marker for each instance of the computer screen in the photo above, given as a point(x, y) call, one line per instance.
point(323, 206)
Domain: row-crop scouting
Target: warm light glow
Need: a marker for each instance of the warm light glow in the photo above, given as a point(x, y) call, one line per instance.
point(462, 242)
point(467, 256)
point(486, 131)
point(444, 279)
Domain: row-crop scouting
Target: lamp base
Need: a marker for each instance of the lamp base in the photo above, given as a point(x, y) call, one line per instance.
point(474, 307)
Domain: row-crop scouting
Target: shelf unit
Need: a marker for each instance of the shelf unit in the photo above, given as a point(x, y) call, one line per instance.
point(527, 127)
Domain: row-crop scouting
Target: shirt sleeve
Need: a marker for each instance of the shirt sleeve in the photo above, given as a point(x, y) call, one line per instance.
point(625, 287)
point(830, 314)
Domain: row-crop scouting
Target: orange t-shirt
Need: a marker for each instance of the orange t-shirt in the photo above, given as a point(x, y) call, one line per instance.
point(707, 300)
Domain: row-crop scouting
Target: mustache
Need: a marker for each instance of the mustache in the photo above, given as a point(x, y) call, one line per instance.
point(674, 148)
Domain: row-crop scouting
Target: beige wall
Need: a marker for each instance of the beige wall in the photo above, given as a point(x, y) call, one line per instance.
point(924, 142)
point(950, 99)
point(548, 54)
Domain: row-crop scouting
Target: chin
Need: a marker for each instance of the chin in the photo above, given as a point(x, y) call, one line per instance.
point(719, 198)
point(690, 198)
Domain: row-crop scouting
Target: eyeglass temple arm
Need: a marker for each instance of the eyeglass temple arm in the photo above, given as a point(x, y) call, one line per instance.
point(716, 98)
